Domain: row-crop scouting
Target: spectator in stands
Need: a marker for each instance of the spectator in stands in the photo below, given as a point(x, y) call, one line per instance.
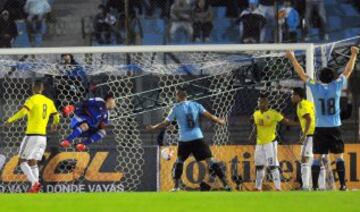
point(203, 17)
point(104, 25)
point(36, 10)
point(8, 30)
point(268, 9)
point(317, 6)
point(135, 29)
point(115, 6)
point(16, 9)
point(252, 22)
point(289, 21)
point(181, 18)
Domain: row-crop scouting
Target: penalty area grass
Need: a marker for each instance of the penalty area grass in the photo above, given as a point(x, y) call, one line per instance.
point(183, 201)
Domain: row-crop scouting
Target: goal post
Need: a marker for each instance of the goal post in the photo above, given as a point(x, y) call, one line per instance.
point(226, 79)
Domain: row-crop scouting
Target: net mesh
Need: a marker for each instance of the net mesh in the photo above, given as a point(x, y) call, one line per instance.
point(144, 85)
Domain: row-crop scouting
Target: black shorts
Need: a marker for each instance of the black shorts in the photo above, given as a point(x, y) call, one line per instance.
point(198, 148)
point(328, 139)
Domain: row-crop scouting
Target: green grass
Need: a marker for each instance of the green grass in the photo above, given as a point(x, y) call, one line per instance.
point(183, 201)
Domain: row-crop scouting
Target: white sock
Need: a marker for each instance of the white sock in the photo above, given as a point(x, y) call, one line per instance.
point(322, 178)
point(305, 175)
point(35, 172)
point(276, 178)
point(2, 160)
point(259, 178)
point(28, 172)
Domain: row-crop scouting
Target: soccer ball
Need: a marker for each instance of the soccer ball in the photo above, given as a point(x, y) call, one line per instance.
point(166, 153)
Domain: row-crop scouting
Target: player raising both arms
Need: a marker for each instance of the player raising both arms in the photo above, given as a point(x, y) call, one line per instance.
point(186, 114)
point(306, 114)
point(266, 121)
point(326, 93)
point(89, 121)
point(38, 109)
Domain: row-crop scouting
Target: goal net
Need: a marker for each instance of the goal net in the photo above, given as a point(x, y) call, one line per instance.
point(226, 79)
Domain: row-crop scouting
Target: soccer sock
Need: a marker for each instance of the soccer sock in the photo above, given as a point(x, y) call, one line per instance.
point(35, 172)
point(215, 167)
point(322, 178)
point(340, 168)
point(305, 175)
point(177, 172)
point(2, 160)
point(75, 133)
point(315, 171)
point(276, 178)
point(260, 173)
point(28, 172)
point(95, 137)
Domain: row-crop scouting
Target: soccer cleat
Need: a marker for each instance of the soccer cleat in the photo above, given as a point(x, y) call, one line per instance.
point(65, 144)
point(343, 188)
point(227, 188)
point(257, 190)
point(35, 188)
point(175, 189)
point(81, 147)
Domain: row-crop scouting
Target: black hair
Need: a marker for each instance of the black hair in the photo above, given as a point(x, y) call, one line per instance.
point(327, 75)
point(182, 91)
point(299, 91)
point(72, 60)
point(108, 96)
point(38, 83)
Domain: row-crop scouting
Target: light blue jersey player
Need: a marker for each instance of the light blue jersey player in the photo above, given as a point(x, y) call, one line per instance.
point(326, 93)
point(89, 121)
point(187, 114)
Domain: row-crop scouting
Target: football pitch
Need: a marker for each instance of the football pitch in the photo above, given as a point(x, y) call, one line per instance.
point(183, 201)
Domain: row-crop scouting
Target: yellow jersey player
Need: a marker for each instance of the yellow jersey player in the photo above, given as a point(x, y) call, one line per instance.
point(266, 121)
point(305, 110)
point(38, 110)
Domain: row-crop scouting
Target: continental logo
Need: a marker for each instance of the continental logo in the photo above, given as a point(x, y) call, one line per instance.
point(67, 167)
point(239, 160)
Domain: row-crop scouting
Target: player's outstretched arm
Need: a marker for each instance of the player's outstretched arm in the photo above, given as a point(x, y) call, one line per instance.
point(213, 118)
point(160, 125)
point(21, 113)
point(351, 64)
point(297, 67)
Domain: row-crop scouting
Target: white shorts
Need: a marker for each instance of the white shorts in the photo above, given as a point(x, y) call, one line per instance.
point(307, 147)
point(266, 154)
point(32, 147)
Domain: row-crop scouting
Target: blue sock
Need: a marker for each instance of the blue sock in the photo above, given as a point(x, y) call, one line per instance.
point(75, 133)
point(95, 137)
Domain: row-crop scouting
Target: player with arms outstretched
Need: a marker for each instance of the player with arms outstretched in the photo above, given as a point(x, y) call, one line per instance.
point(326, 93)
point(38, 109)
point(89, 121)
point(266, 121)
point(186, 114)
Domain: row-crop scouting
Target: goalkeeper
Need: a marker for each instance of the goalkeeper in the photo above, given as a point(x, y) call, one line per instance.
point(89, 121)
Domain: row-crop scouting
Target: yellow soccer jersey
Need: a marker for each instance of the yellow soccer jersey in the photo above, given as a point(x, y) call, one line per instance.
point(38, 109)
point(266, 125)
point(306, 107)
